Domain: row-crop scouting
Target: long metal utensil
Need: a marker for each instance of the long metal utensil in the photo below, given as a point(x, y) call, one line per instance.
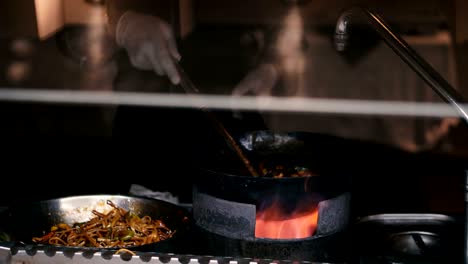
point(190, 88)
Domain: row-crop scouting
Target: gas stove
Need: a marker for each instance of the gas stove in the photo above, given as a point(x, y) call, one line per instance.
point(373, 239)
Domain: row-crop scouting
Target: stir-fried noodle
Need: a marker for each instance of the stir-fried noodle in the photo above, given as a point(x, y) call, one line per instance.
point(118, 228)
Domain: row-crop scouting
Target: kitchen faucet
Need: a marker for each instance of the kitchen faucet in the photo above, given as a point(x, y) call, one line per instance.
point(403, 50)
point(408, 55)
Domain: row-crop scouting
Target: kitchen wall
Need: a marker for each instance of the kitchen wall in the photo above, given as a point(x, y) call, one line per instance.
point(17, 18)
point(316, 12)
point(81, 12)
point(49, 16)
point(43, 18)
point(49, 62)
point(372, 72)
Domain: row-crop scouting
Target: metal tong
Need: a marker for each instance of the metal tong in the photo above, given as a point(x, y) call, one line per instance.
point(190, 88)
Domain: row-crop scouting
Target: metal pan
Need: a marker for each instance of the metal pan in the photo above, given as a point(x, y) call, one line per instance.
point(20, 223)
point(429, 238)
point(220, 177)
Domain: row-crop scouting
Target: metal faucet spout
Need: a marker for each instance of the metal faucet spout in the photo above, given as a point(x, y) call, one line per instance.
point(441, 86)
point(342, 30)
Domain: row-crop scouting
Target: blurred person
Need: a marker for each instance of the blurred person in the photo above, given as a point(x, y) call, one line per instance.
point(289, 68)
point(145, 34)
point(294, 65)
point(160, 145)
point(301, 62)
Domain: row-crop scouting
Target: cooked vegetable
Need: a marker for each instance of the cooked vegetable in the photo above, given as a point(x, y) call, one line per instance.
point(118, 228)
point(284, 171)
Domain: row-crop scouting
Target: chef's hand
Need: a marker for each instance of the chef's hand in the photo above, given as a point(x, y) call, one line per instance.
point(150, 44)
point(260, 81)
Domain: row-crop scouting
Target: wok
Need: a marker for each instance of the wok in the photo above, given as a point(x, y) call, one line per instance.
point(220, 177)
point(382, 178)
point(21, 222)
point(327, 157)
point(226, 198)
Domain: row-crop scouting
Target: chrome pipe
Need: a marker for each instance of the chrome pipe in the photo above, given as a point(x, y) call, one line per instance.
point(441, 86)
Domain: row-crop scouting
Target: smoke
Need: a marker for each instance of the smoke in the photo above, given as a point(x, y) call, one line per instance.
point(290, 52)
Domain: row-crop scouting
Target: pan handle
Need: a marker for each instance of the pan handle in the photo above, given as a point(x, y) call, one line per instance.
point(190, 88)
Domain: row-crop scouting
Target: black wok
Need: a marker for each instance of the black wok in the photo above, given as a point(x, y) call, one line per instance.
point(382, 178)
point(224, 177)
point(21, 222)
point(227, 199)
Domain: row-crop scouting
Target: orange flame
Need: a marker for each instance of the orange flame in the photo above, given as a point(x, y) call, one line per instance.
point(275, 224)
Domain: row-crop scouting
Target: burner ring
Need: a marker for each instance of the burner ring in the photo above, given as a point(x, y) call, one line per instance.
point(415, 243)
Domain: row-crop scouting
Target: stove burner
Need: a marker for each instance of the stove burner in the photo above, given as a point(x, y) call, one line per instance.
point(415, 243)
point(228, 228)
point(409, 238)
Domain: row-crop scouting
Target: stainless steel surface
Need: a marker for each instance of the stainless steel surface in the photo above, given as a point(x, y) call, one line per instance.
point(42, 257)
point(441, 86)
point(414, 243)
point(407, 219)
point(24, 221)
point(412, 238)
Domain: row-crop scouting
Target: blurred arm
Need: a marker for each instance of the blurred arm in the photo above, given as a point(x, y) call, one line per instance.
point(116, 8)
point(141, 27)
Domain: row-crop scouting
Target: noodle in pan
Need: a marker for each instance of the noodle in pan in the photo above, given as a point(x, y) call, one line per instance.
point(118, 228)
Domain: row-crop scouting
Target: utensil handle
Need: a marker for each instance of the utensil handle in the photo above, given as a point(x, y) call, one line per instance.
point(190, 88)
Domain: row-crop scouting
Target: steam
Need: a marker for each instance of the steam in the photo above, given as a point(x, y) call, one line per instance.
point(290, 53)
